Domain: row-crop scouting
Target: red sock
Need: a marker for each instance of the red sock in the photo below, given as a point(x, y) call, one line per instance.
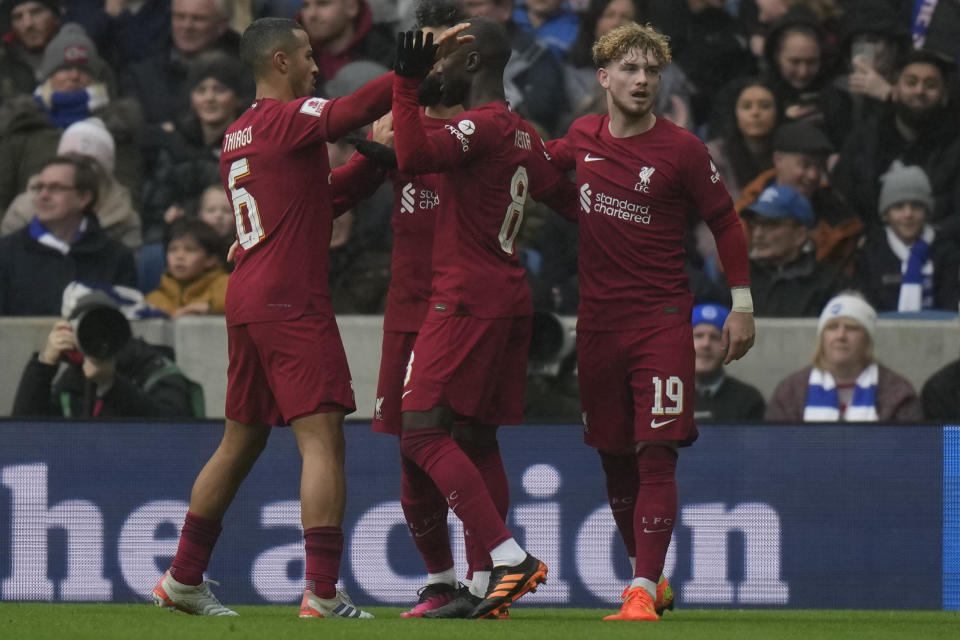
point(425, 511)
point(486, 457)
point(197, 539)
point(324, 545)
point(434, 451)
point(656, 509)
point(622, 485)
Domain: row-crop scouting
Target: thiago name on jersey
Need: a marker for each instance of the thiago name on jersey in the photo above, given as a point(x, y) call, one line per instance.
point(237, 139)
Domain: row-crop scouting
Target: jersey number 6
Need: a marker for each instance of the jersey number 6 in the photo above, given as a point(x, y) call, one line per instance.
point(243, 203)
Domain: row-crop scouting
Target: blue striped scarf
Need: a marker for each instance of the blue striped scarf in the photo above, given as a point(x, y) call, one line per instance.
point(823, 404)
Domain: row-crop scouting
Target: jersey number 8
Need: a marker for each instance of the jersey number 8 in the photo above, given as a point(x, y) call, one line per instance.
point(511, 222)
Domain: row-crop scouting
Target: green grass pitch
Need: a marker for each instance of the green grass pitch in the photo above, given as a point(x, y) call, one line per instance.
point(40, 621)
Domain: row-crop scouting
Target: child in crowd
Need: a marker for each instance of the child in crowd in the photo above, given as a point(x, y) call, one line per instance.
point(216, 210)
point(194, 282)
point(904, 265)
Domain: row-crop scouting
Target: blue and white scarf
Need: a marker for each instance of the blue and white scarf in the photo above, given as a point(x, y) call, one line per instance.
point(40, 233)
point(916, 289)
point(823, 404)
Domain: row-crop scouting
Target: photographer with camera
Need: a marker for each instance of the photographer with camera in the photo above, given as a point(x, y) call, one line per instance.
point(91, 366)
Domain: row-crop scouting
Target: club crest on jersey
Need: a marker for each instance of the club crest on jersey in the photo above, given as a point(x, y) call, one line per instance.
point(313, 107)
point(378, 410)
point(645, 174)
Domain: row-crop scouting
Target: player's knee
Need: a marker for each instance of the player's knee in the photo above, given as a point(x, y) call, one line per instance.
point(656, 463)
point(617, 463)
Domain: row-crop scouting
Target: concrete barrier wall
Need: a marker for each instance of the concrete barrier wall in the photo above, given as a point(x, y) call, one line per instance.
point(915, 348)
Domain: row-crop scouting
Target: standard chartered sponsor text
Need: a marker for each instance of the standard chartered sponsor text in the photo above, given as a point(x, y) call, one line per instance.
point(622, 208)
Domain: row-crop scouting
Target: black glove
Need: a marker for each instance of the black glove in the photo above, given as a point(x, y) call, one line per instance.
point(381, 154)
point(415, 55)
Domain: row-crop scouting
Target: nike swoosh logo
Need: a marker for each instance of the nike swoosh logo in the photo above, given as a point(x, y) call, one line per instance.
point(654, 424)
point(411, 390)
point(589, 158)
point(645, 530)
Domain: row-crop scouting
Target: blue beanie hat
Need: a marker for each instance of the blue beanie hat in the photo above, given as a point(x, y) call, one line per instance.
point(710, 314)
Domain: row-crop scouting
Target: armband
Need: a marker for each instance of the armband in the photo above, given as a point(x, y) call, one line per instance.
point(742, 300)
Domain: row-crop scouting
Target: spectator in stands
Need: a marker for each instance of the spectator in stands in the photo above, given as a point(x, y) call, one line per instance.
point(63, 242)
point(159, 82)
point(33, 24)
point(800, 152)
point(785, 278)
point(195, 283)
point(125, 31)
point(584, 93)
point(904, 266)
point(941, 394)
point(800, 75)
point(533, 78)
point(91, 367)
point(743, 148)
point(183, 158)
point(114, 207)
point(845, 383)
point(874, 38)
point(708, 43)
point(549, 21)
point(719, 398)
point(75, 84)
point(343, 31)
point(217, 211)
point(918, 126)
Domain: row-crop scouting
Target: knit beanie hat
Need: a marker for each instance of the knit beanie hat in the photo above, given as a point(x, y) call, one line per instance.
point(226, 70)
point(54, 5)
point(90, 138)
point(905, 184)
point(71, 47)
point(849, 305)
point(712, 314)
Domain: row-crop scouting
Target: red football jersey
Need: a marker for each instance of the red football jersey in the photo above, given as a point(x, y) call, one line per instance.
point(416, 205)
point(275, 168)
point(490, 160)
point(637, 195)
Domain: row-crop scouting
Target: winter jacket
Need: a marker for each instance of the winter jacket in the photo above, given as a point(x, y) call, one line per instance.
point(896, 399)
point(879, 272)
point(172, 294)
point(799, 289)
point(33, 276)
point(941, 394)
point(147, 385)
point(733, 402)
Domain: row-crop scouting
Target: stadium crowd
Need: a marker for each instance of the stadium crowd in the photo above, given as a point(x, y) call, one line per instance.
point(833, 124)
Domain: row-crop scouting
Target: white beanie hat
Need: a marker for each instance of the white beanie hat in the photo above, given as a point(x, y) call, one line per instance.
point(849, 304)
point(90, 138)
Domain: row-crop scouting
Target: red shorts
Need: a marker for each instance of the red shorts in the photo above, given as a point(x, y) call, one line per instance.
point(637, 385)
point(475, 366)
point(394, 358)
point(279, 371)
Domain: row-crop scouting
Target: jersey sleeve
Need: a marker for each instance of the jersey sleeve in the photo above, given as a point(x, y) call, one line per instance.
point(311, 121)
point(419, 151)
point(714, 206)
point(353, 182)
point(549, 184)
point(562, 154)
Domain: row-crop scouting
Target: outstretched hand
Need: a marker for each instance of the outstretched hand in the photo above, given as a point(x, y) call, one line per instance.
point(415, 54)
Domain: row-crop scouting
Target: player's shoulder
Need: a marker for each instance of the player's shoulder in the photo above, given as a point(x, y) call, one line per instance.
point(679, 135)
point(589, 125)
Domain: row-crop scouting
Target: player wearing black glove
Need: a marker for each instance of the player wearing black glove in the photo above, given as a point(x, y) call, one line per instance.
point(415, 54)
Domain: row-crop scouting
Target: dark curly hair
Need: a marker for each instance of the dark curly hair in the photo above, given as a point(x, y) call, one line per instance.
point(439, 13)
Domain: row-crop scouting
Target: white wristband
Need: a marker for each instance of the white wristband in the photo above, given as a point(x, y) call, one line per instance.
point(742, 300)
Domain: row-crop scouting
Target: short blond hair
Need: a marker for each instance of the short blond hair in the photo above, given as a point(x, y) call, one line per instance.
point(616, 43)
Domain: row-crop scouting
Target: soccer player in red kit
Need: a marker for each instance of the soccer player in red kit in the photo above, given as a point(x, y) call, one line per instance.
point(640, 179)
point(469, 358)
point(286, 360)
